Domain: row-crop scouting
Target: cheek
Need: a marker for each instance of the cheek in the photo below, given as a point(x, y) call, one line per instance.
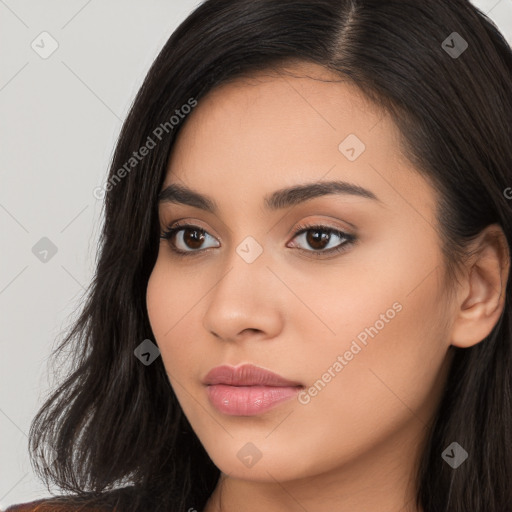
point(170, 304)
point(390, 381)
point(387, 353)
point(175, 322)
point(171, 297)
point(160, 300)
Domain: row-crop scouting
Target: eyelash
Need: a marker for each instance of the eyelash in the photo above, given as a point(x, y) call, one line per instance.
point(349, 239)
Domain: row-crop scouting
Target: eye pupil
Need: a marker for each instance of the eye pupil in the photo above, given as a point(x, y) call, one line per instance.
point(195, 241)
point(313, 238)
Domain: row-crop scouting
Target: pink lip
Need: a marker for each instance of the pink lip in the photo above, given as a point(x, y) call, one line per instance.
point(247, 390)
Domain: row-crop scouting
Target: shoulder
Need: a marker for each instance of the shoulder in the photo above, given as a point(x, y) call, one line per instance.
point(56, 505)
point(110, 501)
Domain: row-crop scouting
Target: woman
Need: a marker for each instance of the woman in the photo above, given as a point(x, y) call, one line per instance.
point(302, 300)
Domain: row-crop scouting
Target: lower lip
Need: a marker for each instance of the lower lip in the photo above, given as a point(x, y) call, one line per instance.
point(248, 400)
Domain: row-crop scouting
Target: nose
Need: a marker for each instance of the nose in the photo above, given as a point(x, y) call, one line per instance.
point(246, 301)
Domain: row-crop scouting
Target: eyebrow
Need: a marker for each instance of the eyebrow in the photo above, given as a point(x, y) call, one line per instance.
point(280, 199)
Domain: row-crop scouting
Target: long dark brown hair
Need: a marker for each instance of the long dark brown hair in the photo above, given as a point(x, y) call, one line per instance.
point(114, 422)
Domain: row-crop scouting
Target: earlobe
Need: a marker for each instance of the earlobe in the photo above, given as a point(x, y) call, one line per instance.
point(483, 297)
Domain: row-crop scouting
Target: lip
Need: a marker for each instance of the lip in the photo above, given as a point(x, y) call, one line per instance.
point(247, 390)
point(246, 375)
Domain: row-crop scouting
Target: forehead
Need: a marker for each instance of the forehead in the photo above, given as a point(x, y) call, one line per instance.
point(281, 127)
point(304, 95)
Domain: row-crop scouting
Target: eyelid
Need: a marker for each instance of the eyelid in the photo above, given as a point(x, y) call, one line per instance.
point(326, 224)
point(187, 222)
point(331, 224)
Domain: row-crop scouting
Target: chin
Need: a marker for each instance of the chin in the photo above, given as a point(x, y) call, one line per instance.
point(252, 461)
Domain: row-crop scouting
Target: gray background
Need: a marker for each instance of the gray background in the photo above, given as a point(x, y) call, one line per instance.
point(60, 118)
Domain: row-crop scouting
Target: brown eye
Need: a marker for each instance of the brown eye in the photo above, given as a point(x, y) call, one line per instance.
point(193, 238)
point(185, 239)
point(317, 239)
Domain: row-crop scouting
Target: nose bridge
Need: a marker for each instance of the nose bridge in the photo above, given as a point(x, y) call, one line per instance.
point(246, 274)
point(244, 297)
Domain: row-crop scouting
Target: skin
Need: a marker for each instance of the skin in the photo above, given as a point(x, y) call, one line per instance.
point(355, 445)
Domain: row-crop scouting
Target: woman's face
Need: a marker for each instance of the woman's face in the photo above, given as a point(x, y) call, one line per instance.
point(363, 333)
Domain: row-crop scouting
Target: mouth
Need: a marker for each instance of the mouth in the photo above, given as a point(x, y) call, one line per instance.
point(247, 390)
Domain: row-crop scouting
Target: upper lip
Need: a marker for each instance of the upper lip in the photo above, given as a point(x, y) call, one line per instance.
point(246, 375)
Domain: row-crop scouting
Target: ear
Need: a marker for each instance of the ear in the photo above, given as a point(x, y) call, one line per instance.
point(481, 297)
